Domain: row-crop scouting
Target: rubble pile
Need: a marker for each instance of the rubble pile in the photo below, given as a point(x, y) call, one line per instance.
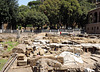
point(97, 66)
point(21, 48)
point(49, 52)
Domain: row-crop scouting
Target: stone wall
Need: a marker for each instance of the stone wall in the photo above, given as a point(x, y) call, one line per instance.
point(93, 28)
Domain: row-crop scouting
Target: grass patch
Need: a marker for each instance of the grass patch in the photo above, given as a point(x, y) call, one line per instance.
point(11, 45)
point(2, 63)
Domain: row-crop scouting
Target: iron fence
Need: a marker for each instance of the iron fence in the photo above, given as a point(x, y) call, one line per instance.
point(43, 30)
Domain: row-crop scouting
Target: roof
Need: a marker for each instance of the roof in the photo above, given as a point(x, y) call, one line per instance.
point(94, 10)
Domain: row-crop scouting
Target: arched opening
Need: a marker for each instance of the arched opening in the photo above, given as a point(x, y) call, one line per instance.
point(91, 18)
point(95, 17)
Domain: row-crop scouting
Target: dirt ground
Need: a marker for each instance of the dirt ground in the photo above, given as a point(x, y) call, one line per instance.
point(26, 69)
point(88, 58)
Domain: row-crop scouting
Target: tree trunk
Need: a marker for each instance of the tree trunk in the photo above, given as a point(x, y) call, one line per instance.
point(0, 25)
point(13, 27)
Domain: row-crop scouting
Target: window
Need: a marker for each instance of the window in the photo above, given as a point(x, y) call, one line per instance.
point(92, 28)
point(97, 28)
point(87, 28)
point(95, 17)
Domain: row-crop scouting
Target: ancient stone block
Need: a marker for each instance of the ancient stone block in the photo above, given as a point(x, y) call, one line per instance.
point(22, 62)
point(20, 57)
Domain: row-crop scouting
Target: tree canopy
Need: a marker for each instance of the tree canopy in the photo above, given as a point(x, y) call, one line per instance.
point(22, 15)
point(70, 10)
point(34, 4)
point(37, 19)
point(85, 6)
point(61, 11)
point(8, 11)
point(57, 12)
point(29, 16)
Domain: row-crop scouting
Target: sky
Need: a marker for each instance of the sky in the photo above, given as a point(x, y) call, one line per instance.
point(24, 2)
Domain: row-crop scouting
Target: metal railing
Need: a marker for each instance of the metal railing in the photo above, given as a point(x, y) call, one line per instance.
point(40, 31)
point(10, 61)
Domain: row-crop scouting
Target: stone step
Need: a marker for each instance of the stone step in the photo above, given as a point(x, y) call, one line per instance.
point(22, 62)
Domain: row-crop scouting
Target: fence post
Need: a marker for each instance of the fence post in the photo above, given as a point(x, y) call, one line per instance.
point(79, 31)
point(0, 30)
point(66, 30)
point(73, 31)
point(22, 30)
point(42, 31)
point(11, 31)
point(18, 34)
point(58, 30)
point(50, 30)
point(3, 31)
point(32, 31)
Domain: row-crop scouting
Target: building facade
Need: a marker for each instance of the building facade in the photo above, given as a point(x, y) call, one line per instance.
point(93, 26)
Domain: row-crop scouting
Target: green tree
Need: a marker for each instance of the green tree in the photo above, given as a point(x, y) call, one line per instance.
point(22, 15)
point(51, 9)
point(85, 6)
point(34, 4)
point(37, 19)
point(61, 11)
point(70, 11)
point(4, 11)
point(29, 16)
point(13, 12)
point(9, 11)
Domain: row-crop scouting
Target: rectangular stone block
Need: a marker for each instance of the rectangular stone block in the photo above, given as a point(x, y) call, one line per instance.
point(22, 62)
